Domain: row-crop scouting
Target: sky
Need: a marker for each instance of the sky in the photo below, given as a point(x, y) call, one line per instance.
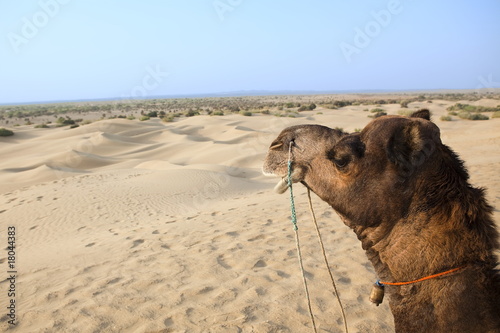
point(59, 50)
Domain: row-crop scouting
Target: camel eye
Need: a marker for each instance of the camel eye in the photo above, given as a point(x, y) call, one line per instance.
point(342, 162)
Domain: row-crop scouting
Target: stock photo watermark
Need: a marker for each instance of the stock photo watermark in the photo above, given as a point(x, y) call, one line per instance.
point(487, 83)
point(31, 25)
point(222, 7)
point(151, 80)
point(371, 30)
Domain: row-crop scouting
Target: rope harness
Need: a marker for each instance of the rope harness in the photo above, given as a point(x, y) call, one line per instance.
point(297, 242)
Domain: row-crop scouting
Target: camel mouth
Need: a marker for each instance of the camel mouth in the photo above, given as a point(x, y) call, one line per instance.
point(282, 184)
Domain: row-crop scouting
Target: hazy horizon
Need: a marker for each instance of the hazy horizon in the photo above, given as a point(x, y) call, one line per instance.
point(63, 50)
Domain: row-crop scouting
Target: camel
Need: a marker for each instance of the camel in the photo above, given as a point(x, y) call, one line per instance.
point(407, 197)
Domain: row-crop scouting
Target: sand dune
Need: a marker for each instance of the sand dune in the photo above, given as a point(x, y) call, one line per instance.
point(127, 226)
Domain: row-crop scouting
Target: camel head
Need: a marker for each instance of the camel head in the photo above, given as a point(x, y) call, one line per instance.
point(307, 142)
point(367, 177)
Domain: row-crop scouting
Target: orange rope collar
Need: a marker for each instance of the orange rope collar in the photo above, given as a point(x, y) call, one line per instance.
point(421, 279)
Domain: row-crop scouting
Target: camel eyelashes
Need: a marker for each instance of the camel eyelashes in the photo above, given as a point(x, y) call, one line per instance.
point(341, 162)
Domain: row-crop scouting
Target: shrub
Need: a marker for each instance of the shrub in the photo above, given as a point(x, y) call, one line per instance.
point(357, 130)
point(168, 119)
point(152, 114)
point(65, 121)
point(405, 112)
point(378, 114)
point(41, 126)
point(303, 108)
point(404, 104)
point(312, 106)
point(131, 117)
point(472, 116)
point(478, 116)
point(217, 113)
point(496, 114)
point(376, 110)
point(246, 113)
point(143, 118)
point(445, 118)
point(191, 113)
point(266, 112)
point(464, 115)
point(6, 132)
point(74, 126)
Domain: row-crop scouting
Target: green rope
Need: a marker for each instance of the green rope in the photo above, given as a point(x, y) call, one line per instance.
point(294, 221)
point(292, 202)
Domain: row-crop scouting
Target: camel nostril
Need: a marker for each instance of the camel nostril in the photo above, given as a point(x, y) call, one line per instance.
point(276, 145)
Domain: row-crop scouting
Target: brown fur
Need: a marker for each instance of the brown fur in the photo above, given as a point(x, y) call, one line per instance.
point(407, 197)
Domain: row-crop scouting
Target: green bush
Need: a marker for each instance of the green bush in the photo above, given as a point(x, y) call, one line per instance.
point(496, 114)
point(191, 113)
point(266, 112)
point(445, 118)
point(217, 113)
point(404, 104)
point(6, 132)
point(472, 108)
point(246, 113)
point(472, 116)
point(74, 126)
point(61, 121)
point(168, 119)
point(406, 112)
point(478, 116)
point(131, 117)
point(41, 126)
point(376, 110)
point(144, 118)
point(378, 114)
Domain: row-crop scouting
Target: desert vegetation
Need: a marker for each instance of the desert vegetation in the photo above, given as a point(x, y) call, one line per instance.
point(6, 132)
point(169, 109)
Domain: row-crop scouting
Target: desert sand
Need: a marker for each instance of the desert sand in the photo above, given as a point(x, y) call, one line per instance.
point(129, 226)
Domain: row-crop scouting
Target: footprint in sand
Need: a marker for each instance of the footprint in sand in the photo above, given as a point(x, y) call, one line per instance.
point(168, 322)
point(260, 263)
point(220, 261)
point(259, 237)
point(137, 242)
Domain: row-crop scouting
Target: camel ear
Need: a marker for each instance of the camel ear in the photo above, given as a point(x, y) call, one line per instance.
point(412, 144)
point(422, 113)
